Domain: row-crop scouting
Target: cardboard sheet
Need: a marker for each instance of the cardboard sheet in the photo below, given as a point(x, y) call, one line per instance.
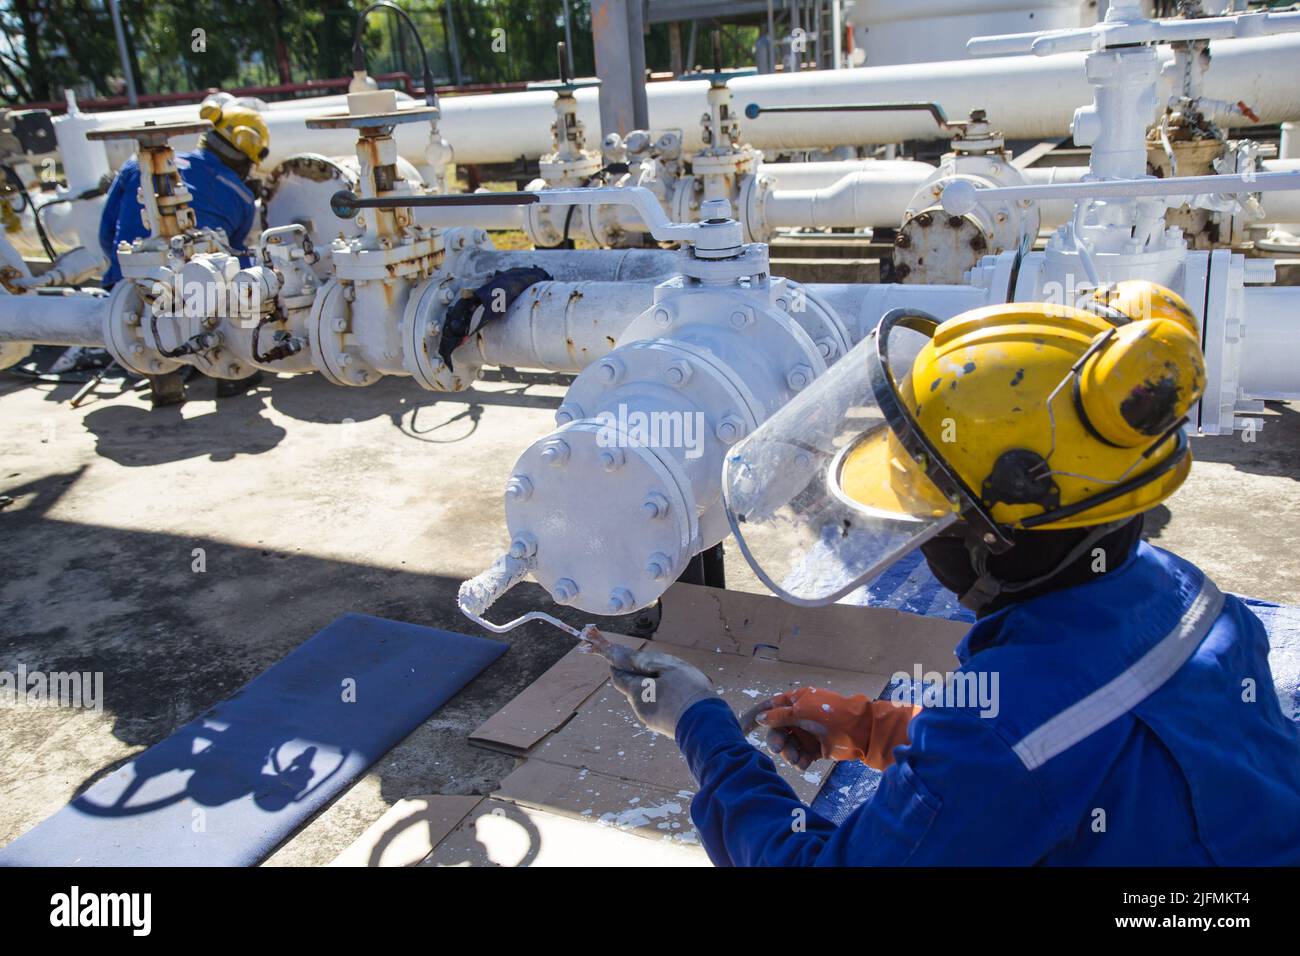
point(408, 832)
point(498, 833)
point(605, 735)
point(630, 806)
point(549, 701)
point(609, 790)
point(874, 640)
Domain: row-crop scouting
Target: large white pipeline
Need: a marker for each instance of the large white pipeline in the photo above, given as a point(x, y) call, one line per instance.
point(1025, 97)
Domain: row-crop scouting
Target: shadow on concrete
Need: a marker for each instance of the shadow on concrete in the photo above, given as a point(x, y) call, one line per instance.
point(311, 398)
point(135, 436)
point(1273, 450)
point(1155, 521)
point(172, 642)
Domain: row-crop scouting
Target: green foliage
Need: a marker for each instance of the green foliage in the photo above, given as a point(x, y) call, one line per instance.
point(50, 45)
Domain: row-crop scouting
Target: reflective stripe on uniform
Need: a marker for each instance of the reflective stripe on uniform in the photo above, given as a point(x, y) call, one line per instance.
point(1120, 695)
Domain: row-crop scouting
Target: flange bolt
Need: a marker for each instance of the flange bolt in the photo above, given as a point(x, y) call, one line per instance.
point(655, 505)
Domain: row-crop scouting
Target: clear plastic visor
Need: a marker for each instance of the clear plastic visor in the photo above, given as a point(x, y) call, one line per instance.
point(822, 497)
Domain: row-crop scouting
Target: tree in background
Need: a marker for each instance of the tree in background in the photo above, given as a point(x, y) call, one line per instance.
point(192, 45)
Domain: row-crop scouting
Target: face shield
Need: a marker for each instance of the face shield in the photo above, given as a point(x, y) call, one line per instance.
point(841, 482)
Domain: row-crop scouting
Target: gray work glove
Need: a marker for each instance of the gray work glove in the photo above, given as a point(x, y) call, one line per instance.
point(659, 687)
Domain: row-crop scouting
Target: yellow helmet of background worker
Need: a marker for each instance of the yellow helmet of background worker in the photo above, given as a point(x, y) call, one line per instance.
point(239, 125)
point(1015, 417)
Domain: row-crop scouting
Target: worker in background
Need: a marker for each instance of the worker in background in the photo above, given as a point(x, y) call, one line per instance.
point(1135, 720)
point(217, 175)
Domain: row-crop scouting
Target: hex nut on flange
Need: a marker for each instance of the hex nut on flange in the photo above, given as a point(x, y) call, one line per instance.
point(524, 546)
point(565, 590)
point(555, 452)
point(612, 459)
point(658, 565)
point(730, 429)
point(678, 373)
point(655, 505)
point(620, 599)
point(567, 413)
point(519, 488)
point(799, 377)
point(610, 371)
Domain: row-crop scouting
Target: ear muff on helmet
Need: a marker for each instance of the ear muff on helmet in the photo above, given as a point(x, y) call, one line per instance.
point(1138, 380)
point(1138, 299)
point(1145, 377)
point(247, 139)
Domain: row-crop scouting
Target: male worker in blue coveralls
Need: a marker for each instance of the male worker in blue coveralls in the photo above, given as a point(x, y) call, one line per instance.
point(1137, 721)
point(216, 175)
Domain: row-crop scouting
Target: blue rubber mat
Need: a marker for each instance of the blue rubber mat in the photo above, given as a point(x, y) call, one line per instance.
point(908, 585)
point(228, 787)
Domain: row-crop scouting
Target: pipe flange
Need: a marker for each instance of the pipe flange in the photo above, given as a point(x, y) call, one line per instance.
point(422, 323)
point(212, 273)
point(815, 316)
point(934, 247)
point(640, 537)
point(742, 326)
point(754, 190)
point(329, 329)
point(125, 325)
point(675, 398)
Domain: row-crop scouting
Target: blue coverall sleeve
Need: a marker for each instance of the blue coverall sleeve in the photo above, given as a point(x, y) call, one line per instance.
point(108, 218)
point(956, 795)
point(244, 225)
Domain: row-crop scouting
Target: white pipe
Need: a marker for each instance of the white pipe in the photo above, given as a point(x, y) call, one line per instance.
point(496, 218)
point(76, 319)
point(1270, 347)
point(821, 174)
point(577, 265)
point(1281, 207)
point(890, 11)
point(1026, 97)
point(1054, 212)
point(562, 326)
point(863, 199)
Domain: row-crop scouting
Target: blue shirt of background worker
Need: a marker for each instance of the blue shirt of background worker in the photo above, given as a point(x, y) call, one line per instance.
point(221, 200)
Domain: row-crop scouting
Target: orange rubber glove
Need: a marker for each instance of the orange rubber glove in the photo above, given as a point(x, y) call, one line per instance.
point(811, 723)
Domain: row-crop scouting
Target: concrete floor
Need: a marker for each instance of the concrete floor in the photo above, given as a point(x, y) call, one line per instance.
point(310, 501)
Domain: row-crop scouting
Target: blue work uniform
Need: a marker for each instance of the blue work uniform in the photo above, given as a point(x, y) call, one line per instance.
point(221, 200)
point(1135, 722)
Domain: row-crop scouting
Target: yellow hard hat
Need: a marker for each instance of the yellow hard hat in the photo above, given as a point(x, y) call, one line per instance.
point(1141, 299)
point(1048, 417)
point(241, 126)
point(1015, 417)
